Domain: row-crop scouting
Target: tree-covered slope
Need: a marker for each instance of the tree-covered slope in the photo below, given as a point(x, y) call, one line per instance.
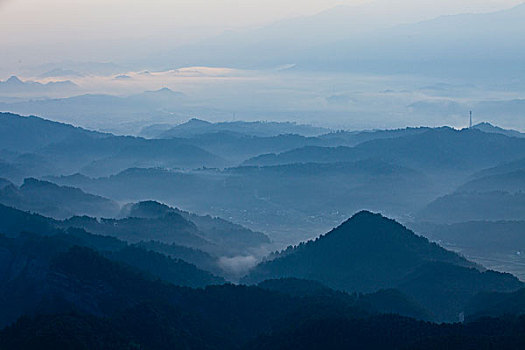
point(370, 252)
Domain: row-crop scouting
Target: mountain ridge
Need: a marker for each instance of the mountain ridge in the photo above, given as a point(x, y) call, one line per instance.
point(370, 252)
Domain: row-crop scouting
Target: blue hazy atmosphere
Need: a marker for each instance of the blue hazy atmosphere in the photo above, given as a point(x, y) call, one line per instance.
point(341, 174)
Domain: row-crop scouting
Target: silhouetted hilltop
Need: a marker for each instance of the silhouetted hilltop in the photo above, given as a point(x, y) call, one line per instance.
point(369, 252)
point(171, 228)
point(366, 252)
point(146, 210)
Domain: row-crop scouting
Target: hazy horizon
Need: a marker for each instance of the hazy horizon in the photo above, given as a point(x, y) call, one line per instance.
point(38, 32)
point(340, 64)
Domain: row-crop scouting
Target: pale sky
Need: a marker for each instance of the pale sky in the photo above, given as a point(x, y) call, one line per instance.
point(33, 31)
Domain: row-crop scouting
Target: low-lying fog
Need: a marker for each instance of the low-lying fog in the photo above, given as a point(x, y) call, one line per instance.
point(330, 99)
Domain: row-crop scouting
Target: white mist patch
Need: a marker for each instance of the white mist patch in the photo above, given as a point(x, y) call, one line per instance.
point(237, 265)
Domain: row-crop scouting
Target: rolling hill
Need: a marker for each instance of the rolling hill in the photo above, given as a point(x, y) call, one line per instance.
point(59, 202)
point(54, 149)
point(369, 252)
point(440, 149)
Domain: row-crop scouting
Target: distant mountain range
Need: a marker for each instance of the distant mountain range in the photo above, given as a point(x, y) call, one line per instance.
point(373, 170)
point(60, 148)
point(283, 193)
point(489, 128)
point(397, 172)
point(196, 127)
point(17, 87)
point(121, 113)
point(463, 150)
point(374, 37)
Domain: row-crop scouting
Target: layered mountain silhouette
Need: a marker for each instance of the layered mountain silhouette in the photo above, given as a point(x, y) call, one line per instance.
point(377, 37)
point(41, 147)
point(59, 202)
point(283, 193)
point(238, 147)
point(81, 289)
point(397, 172)
point(14, 85)
point(215, 229)
point(104, 112)
point(432, 150)
point(30, 243)
point(87, 300)
point(174, 232)
point(16, 222)
point(369, 252)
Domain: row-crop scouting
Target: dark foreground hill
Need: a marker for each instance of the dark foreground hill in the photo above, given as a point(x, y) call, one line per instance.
point(79, 290)
point(89, 301)
point(369, 252)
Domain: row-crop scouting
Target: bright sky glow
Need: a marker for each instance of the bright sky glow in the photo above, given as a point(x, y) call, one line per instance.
point(54, 30)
